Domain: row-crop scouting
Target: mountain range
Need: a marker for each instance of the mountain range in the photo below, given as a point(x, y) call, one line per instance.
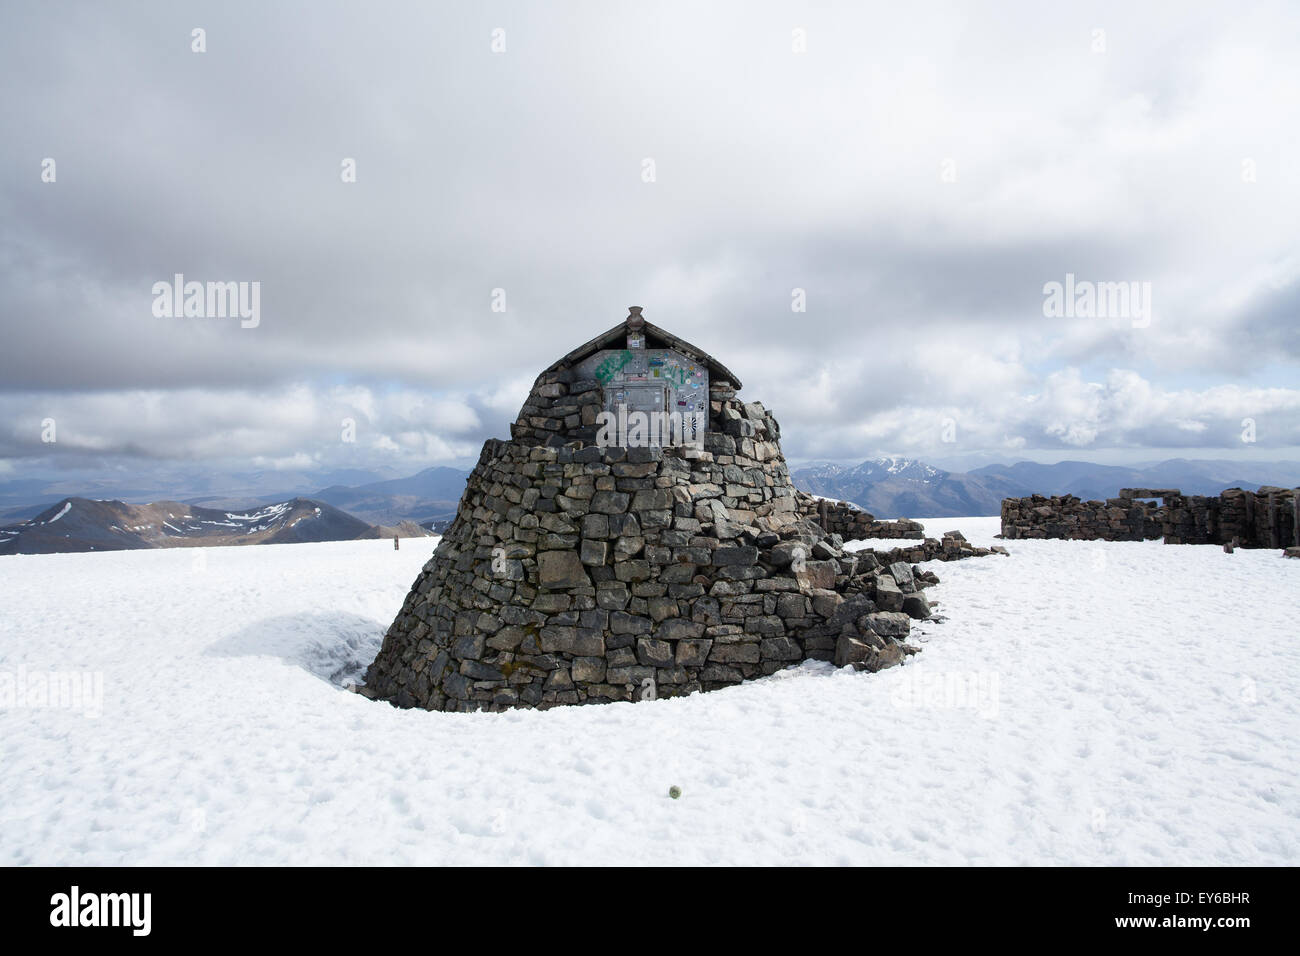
point(907, 488)
point(86, 524)
point(428, 497)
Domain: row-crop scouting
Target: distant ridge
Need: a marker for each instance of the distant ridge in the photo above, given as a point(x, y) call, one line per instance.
point(85, 524)
point(908, 488)
point(427, 497)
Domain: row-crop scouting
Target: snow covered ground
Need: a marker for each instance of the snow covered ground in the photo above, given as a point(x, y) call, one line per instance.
point(1084, 703)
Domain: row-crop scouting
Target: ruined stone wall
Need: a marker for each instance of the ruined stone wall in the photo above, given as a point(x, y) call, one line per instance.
point(1254, 519)
point(852, 523)
point(953, 546)
point(1266, 518)
point(1065, 516)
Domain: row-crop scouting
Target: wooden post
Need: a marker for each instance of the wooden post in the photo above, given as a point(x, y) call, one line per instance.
point(395, 542)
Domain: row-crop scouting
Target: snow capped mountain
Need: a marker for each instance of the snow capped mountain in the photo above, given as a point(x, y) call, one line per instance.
point(893, 487)
point(875, 469)
point(908, 468)
point(85, 524)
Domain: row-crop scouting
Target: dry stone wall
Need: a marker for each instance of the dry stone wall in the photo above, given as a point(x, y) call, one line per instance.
point(1266, 518)
point(953, 546)
point(852, 523)
point(1065, 516)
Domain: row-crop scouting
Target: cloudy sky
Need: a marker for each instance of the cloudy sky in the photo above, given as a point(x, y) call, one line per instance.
point(920, 171)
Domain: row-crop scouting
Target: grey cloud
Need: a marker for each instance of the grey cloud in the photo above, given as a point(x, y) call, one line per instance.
point(522, 171)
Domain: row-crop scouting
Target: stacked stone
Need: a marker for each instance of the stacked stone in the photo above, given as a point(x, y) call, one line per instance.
point(1267, 518)
point(747, 433)
point(952, 547)
point(574, 573)
point(852, 523)
point(1195, 519)
point(1065, 516)
point(589, 574)
point(558, 410)
point(1278, 520)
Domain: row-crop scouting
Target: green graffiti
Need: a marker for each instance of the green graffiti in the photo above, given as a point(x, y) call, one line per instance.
point(607, 369)
point(677, 376)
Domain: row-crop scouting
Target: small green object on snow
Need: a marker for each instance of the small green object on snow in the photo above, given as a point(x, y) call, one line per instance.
point(674, 792)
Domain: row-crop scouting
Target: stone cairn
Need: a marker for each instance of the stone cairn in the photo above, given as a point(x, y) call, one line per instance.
point(1267, 518)
point(575, 573)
